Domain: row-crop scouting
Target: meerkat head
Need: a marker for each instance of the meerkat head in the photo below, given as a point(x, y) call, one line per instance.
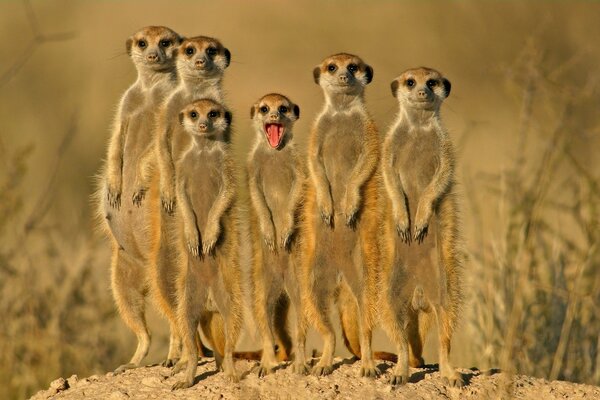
point(343, 73)
point(205, 118)
point(153, 47)
point(202, 57)
point(421, 88)
point(273, 117)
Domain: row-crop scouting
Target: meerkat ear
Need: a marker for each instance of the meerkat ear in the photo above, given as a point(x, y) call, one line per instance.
point(369, 73)
point(253, 111)
point(227, 57)
point(447, 86)
point(316, 74)
point(228, 117)
point(296, 111)
point(181, 118)
point(395, 84)
point(128, 45)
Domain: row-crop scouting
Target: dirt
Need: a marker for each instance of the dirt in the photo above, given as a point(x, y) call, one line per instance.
point(154, 382)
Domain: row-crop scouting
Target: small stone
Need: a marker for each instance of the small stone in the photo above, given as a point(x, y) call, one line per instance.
point(152, 382)
point(118, 395)
point(59, 385)
point(72, 380)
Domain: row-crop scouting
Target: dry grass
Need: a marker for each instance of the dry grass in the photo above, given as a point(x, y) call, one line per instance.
point(524, 103)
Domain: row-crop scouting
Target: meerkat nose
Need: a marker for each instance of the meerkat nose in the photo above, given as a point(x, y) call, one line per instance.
point(152, 57)
point(200, 62)
point(422, 94)
point(274, 117)
point(344, 78)
point(202, 127)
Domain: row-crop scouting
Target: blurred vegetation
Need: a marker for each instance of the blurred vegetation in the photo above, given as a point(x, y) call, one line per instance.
point(523, 114)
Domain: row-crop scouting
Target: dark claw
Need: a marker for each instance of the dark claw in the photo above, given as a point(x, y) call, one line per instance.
point(326, 217)
point(114, 200)
point(168, 206)
point(351, 219)
point(420, 234)
point(398, 380)
point(285, 243)
point(404, 234)
point(138, 197)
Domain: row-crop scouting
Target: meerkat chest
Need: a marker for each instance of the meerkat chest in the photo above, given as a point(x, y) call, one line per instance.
point(343, 141)
point(202, 173)
point(417, 160)
point(277, 174)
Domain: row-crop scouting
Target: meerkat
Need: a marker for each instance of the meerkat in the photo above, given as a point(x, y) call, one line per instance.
point(342, 209)
point(421, 272)
point(129, 224)
point(276, 182)
point(209, 279)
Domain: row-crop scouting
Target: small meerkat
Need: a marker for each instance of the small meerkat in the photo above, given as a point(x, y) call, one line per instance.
point(152, 50)
point(276, 181)
point(424, 277)
point(209, 278)
point(342, 210)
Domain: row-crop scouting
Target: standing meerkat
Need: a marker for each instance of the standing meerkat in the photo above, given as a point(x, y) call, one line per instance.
point(276, 181)
point(209, 279)
point(127, 222)
point(422, 278)
point(342, 209)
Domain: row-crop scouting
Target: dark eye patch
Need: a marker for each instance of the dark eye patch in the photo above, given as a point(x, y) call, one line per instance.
point(213, 114)
point(141, 43)
point(283, 109)
point(193, 115)
point(211, 51)
point(264, 109)
point(352, 68)
point(432, 83)
point(331, 67)
point(410, 82)
point(190, 50)
point(165, 43)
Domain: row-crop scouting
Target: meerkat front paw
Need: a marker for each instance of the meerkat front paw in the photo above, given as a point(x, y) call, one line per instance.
point(369, 371)
point(193, 243)
point(351, 205)
point(113, 195)
point(286, 238)
point(301, 368)
point(422, 218)
point(210, 238)
point(268, 234)
point(403, 227)
point(167, 198)
point(182, 385)
point(138, 196)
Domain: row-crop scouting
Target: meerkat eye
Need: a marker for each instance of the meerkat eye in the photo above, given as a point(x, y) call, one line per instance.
point(190, 50)
point(193, 115)
point(264, 109)
point(431, 83)
point(331, 67)
point(352, 67)
point(141, 44)
point(213, 114)
point(283, 109)
point(211, 51)
point(165, 43)
point(410, 82)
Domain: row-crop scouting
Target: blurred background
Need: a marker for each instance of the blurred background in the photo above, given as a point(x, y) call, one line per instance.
point(523, 115)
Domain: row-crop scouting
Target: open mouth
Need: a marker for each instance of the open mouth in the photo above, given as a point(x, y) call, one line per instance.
point(274, 134)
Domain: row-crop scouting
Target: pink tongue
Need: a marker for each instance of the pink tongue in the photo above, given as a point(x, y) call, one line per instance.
point(274, 134)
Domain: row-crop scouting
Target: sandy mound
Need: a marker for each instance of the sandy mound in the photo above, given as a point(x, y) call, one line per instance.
point(154, 382)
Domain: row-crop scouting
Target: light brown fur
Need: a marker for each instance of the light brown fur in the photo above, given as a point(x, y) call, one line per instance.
point(130, 224)
point(421, 272)
point(276, 181)
point(342, 210)
point(209, 278)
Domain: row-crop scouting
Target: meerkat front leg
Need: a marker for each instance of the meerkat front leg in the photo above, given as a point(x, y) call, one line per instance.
point(393, 186)
point(192, 236)
point(166, 167)
point(322, 186)
point(294, 202)
point(436, 188)
point(264, 215)
point(362, 171)
point(114, 171)
point(224, 200)
point(142, 177)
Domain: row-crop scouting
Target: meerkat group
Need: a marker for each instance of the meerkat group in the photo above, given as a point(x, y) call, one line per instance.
point(371, 225)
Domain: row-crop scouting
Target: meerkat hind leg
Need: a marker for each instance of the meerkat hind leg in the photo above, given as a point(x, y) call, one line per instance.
point(447, 371)
point(130, 298)
point(322, 321)
point(265, 316)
